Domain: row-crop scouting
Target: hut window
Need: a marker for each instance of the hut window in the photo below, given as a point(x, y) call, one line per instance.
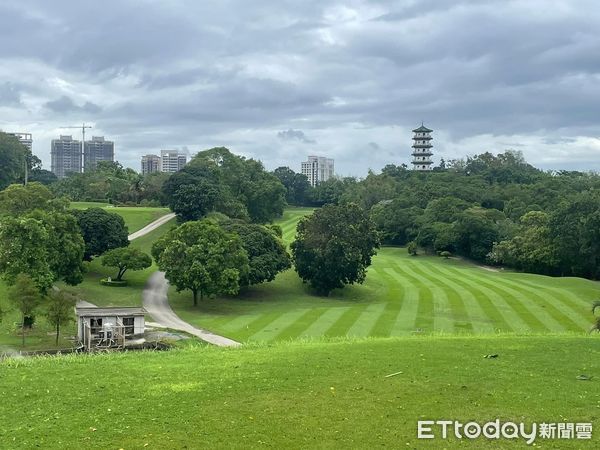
point(128, 324)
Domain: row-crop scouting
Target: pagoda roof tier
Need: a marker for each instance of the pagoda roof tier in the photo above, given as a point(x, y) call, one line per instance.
point(422, 146)
point(422, 154)
point(422, 162)
point(422, 138)
point(422, 129)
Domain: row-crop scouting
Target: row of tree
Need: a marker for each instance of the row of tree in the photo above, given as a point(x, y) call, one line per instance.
point(491, 208)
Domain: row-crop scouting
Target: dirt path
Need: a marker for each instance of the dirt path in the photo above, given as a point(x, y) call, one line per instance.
point(157, 305)
point(151, 226)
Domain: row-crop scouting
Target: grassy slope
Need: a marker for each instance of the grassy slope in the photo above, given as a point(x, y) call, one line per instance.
point(136, 217)
point(402, 295)
point(42, 337)
point(300, 395)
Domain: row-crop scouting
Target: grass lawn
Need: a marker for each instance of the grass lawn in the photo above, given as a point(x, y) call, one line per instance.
point(136, 217)
point(402, 295)
point(301, 394)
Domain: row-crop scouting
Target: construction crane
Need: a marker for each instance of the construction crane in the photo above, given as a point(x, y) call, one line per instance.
point(82, 128)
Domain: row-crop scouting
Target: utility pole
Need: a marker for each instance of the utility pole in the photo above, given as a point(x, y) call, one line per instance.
point(82, 127)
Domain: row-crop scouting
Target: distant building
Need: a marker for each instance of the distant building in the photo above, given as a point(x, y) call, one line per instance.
point(98, 149)
point(150, 164)
point(422, 149)
point(24, 138)
point(317, 169)
point(172, 161)
point(65, 156)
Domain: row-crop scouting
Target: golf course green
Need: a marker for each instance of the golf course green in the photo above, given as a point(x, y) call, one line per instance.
point(402, 295)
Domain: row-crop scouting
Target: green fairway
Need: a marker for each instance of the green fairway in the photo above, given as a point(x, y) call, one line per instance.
point(136, 217)
point(402, 295)
point(301, 395)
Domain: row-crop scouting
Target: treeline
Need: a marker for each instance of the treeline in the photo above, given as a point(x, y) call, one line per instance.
point(494, 209)
point(111, 182)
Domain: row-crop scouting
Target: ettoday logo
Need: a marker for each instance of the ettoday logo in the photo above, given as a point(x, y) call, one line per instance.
point(442, 429)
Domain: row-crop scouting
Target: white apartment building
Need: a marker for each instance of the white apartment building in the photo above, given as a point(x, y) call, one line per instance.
point(150, 164)
point(318, 169)
point(172, 161)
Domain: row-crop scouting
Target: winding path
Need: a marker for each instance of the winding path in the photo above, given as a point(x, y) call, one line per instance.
point(157, 305)
point(156, 302)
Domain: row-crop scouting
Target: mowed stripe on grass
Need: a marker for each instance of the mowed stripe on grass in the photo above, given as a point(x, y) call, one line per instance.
point(401, 295)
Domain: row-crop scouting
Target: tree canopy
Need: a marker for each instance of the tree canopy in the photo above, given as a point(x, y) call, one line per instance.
point(267, 255)
point(202, 257)
point(101, 231)
point(126, 258)
point(12, 159)
point(334, 247)
point(218, 180)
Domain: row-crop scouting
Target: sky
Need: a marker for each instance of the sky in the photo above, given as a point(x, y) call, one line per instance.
point(281, 80)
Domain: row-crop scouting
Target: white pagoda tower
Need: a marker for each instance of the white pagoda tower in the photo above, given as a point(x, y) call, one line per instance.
point(422, 149)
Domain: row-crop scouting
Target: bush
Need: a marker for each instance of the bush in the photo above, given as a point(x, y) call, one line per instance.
point(411, 248)
point(445, 254)
point(113, 283)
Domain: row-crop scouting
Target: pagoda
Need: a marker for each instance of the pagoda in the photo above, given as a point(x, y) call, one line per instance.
point(422, 149)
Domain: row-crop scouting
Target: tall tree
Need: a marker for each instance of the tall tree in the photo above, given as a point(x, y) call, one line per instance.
point(202, 257)
point(26, 297)
point(59, 308)
point(334, 247)
point(12, 159)
point(101, 230)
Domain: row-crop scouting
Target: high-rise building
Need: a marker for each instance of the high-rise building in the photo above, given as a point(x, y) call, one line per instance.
point(24, 138)
point(65, 156)
point(98, 149)
point(422, 149)
point(317, 169)
point(150, 164)
point(172, 160)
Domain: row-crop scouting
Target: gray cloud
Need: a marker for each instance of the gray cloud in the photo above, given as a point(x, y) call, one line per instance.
point(253, 75)
point(65, 104)
point(298, 135)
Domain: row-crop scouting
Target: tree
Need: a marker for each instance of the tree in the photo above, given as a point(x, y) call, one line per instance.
point(532, 249)
point(126, 258)
point(202, 257)
point(25, 296)
point(101, 230)
point(267, 255)
point(59, 308)
point(296, 185)
point(17, 199)
point(12, 159)
point(23, 250)
point(244, 189)
point(575, 230)
point(194, 201)
point(334, 247)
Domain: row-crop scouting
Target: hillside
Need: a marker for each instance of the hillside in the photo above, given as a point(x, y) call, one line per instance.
point(299, 395)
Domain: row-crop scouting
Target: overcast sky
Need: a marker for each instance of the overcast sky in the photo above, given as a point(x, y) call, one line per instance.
point(279, 80)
